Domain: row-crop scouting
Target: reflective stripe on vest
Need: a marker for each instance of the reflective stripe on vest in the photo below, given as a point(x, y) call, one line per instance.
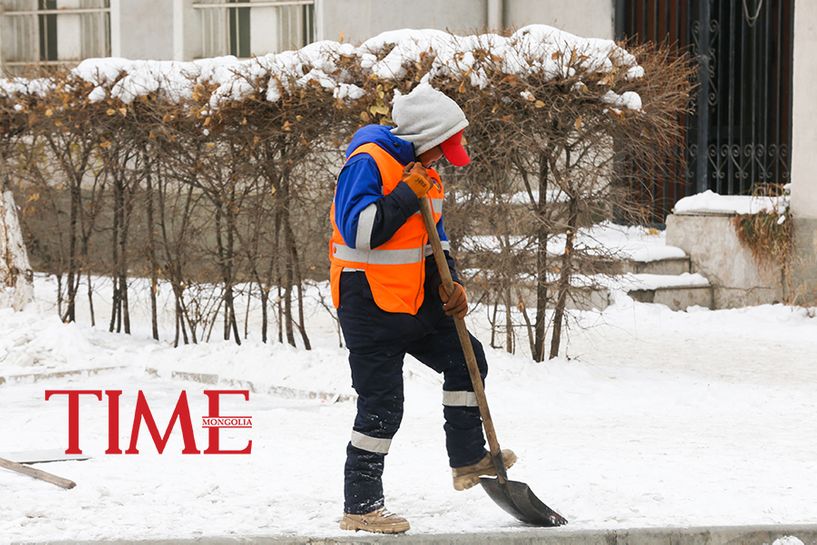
point(378, 257)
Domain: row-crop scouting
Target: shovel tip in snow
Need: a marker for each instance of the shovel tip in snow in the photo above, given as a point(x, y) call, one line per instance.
point(519, 500)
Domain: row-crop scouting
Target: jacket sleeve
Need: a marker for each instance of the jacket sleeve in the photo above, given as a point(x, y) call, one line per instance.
point(364, 216)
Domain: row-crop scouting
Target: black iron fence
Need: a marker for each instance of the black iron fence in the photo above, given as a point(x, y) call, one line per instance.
point(741, 137)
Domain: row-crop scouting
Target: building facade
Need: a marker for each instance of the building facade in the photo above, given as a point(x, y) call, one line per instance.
point(757, 72)
point(36, 33)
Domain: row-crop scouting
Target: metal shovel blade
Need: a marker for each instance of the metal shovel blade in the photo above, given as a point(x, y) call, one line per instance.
point(519, 500)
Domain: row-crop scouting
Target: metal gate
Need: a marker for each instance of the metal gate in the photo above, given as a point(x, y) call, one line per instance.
point(741, 138)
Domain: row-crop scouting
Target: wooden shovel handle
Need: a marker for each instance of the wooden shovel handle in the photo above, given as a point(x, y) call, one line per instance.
point(37, 473)
point(465, 341)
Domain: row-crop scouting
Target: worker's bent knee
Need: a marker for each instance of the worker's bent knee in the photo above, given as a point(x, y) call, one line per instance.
point(479, 352)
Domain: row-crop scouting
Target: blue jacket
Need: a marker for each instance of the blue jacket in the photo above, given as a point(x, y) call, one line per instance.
point(359, 185)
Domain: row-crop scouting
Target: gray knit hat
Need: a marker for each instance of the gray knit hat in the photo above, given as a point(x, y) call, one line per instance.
point(426, 117)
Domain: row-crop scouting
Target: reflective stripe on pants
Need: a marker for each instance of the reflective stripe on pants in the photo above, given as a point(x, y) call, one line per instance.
point(462, 398)
point(369, 443)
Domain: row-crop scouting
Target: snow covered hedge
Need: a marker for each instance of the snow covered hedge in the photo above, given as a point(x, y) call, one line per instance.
point(222, 170)
point(534, 51)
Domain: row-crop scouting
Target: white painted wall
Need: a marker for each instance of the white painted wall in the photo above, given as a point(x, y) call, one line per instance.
point(804, 112)
point(588, 18)
point(145, 29)
point(357, 20)
point(186, 31)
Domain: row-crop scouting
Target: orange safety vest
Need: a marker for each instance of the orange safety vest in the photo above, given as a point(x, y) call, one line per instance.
point(395, 270)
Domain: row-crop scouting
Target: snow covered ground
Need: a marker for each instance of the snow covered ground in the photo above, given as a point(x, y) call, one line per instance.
point(653, 418)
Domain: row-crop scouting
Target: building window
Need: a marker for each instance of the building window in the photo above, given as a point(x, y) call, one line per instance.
point(245, 28)
point(239, 31)
point(30, 30)
point(48, 31)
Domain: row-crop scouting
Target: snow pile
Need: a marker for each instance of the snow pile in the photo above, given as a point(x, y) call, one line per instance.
point(535, 50)
point(636, 243)
point(788, 540)
point(710, 202)
point(644, 281)
point(20, 86)
point(628, 99)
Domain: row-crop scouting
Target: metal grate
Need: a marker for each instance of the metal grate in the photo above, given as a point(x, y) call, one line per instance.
point(742, 137)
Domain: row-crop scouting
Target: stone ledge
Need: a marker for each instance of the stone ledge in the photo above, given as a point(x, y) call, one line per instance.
point(717, 535)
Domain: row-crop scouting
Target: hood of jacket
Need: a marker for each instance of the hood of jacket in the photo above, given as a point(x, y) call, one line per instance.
point(400, 149)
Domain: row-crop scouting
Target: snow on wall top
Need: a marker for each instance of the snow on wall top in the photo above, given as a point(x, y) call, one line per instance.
point(710, 202)
point(531, 50)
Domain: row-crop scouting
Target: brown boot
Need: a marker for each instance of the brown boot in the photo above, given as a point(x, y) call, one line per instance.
point(381, 521)
point(468, 476)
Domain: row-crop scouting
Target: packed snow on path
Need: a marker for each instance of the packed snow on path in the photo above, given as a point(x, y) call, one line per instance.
point(653, 418)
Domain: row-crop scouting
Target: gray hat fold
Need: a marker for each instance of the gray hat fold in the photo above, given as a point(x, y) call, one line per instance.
point(426, 117)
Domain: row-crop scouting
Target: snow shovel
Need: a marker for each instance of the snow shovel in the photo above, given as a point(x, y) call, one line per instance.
point(37, 474)
point(513, 496)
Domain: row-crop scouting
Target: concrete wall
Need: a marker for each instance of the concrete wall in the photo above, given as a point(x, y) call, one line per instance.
point(716, 252)
point(356, 20)
point(144, 29)
point(804, 160)
point(588, 18)
point(187, 43)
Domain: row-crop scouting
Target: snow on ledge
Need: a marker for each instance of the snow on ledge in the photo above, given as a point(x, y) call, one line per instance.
point(710, 202)
point(641, 281)
point(635, 243)
point(662, 281)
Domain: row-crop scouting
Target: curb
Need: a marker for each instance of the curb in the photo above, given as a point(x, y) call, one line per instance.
point(718, 535)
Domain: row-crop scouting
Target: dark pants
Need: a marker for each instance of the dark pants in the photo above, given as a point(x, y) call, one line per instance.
point(377, 342)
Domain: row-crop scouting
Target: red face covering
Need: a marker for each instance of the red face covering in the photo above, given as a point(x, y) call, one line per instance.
point(454, 151)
